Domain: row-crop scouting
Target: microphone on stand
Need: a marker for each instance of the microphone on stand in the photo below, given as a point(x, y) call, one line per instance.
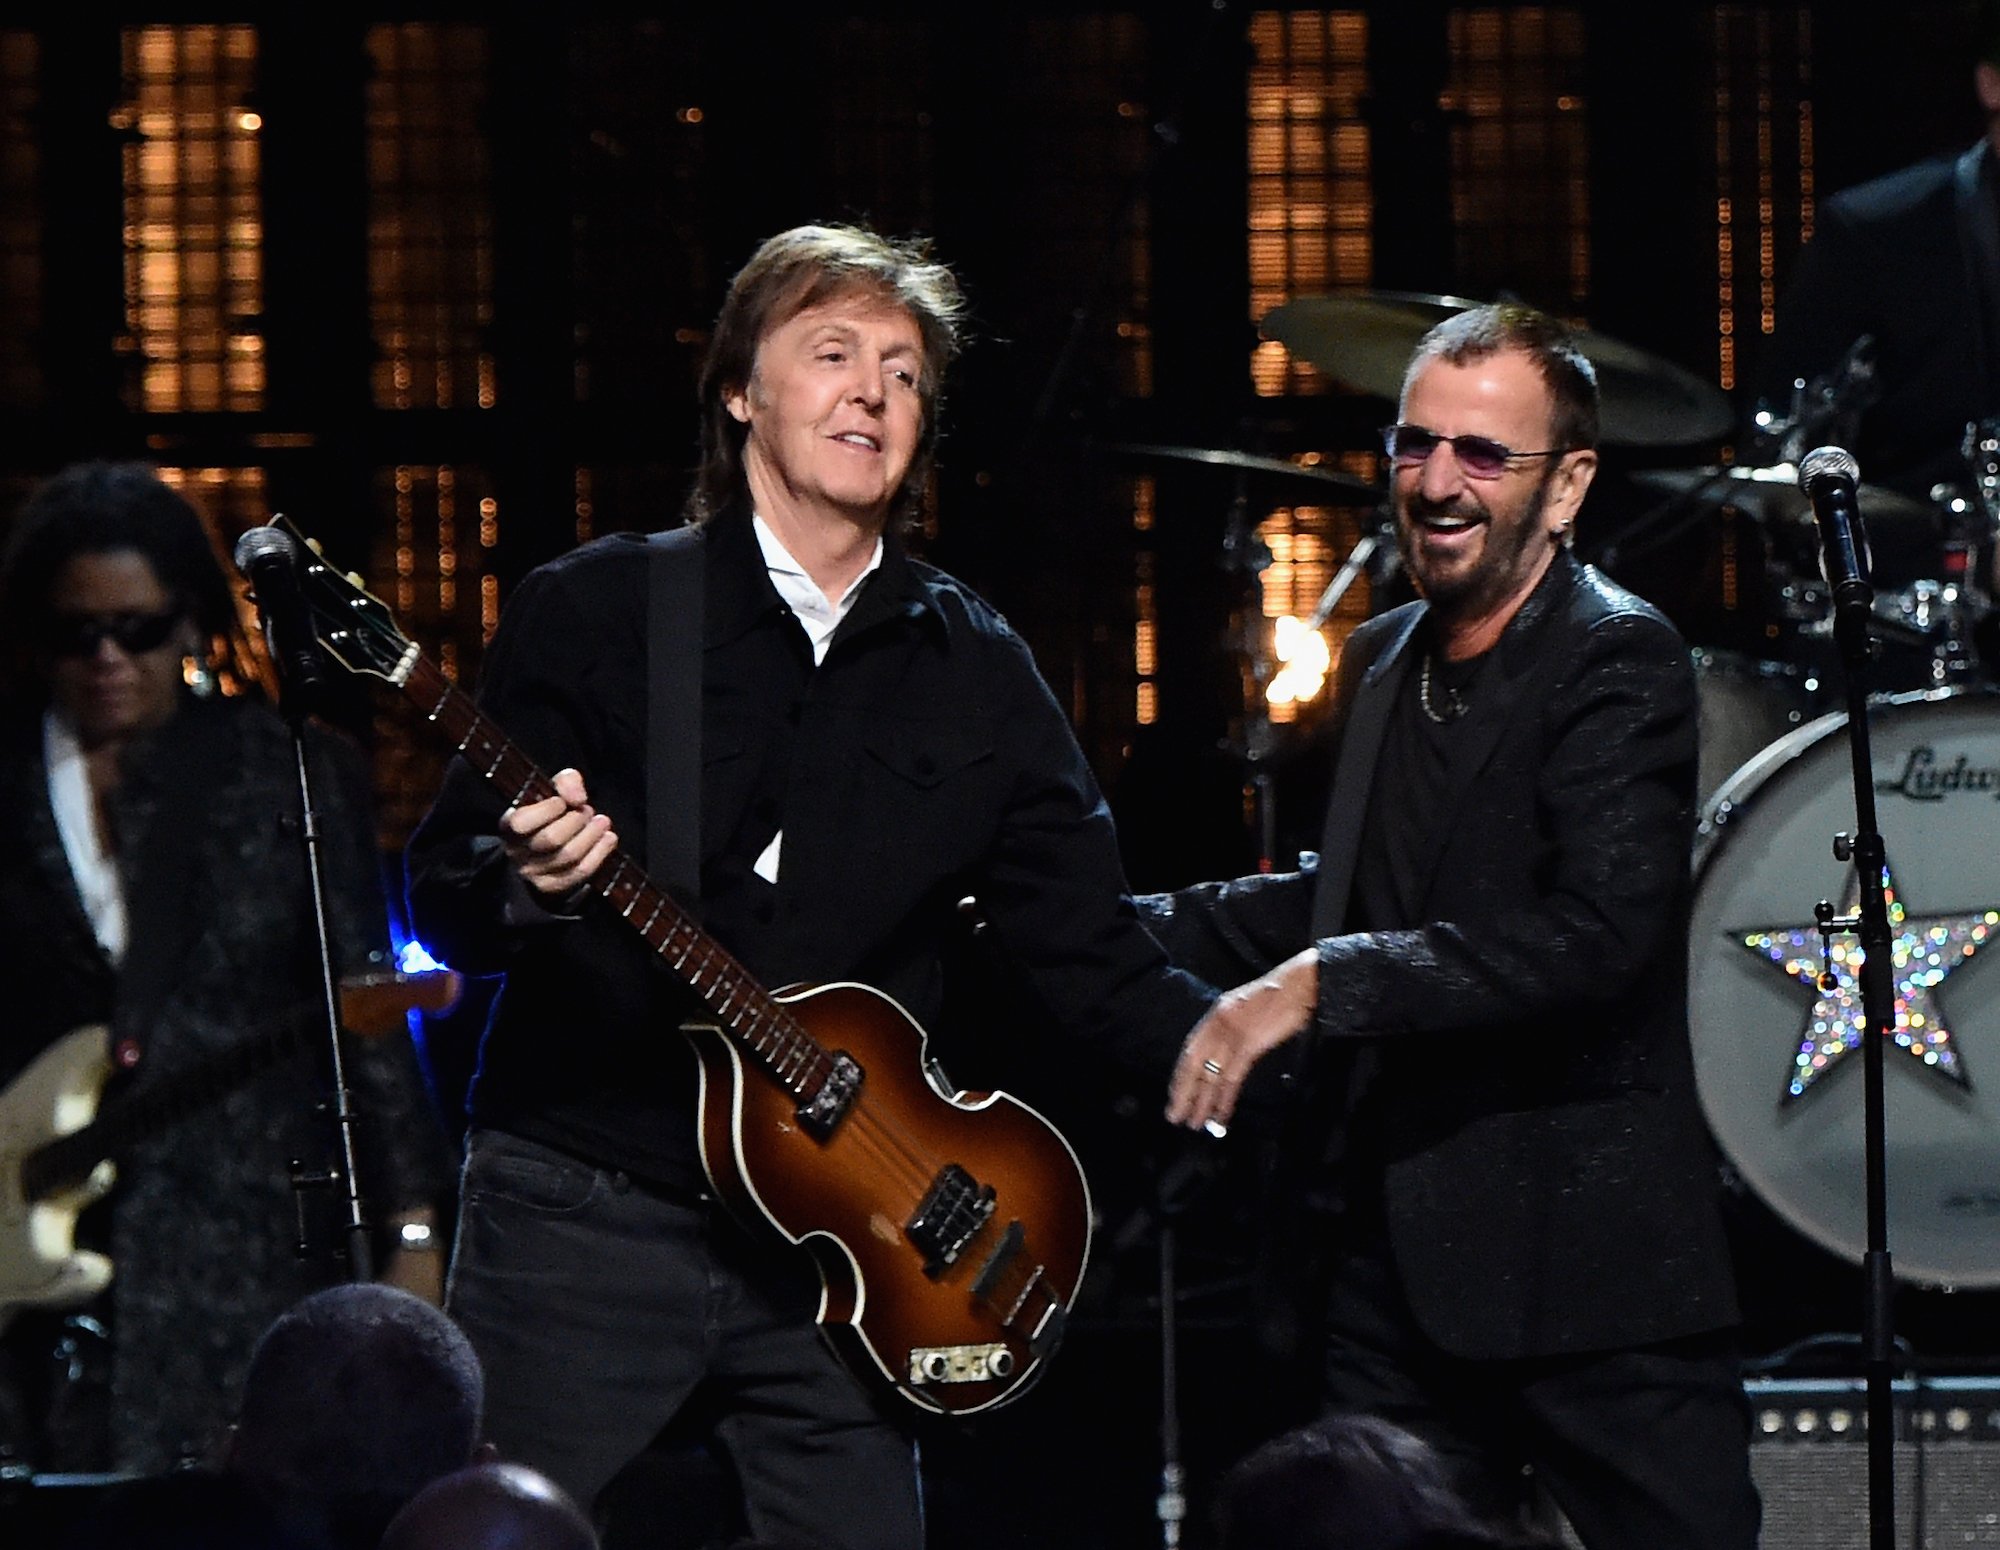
point(270, 559)
point(1829, 476)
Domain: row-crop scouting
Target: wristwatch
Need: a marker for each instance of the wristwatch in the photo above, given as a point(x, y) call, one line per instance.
point(417, 1237)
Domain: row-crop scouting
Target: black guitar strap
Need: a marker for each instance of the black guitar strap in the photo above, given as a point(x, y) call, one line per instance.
point(673, 714)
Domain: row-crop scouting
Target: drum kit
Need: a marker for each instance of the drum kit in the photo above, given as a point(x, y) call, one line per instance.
point(1775, 777)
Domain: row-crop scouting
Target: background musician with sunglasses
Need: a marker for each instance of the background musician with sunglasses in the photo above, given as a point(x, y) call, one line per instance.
point(150, 881)
point(1480, 991)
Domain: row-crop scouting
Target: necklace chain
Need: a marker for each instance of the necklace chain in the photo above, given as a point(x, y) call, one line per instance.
point(1454, 703)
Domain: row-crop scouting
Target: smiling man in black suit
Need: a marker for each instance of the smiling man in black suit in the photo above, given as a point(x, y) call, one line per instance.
point(1483, 986)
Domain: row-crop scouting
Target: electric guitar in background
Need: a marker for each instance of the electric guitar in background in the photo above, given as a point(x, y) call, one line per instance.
point(951, 1229)
point(58, 1154)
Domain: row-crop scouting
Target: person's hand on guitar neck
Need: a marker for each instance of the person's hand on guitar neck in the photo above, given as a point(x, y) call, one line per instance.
point(558, 843)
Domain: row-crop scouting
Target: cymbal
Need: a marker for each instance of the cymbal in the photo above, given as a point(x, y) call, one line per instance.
point(1333, 486)
point(1365, 339)
point(1772, 495)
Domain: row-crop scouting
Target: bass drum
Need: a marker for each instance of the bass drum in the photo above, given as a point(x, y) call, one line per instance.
point(1763, 859)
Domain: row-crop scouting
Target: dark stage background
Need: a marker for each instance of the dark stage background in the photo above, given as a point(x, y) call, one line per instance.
point(436, 282)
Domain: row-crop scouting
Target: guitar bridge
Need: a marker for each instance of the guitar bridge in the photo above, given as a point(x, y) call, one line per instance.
point(828, 1106)
point(952, 1211)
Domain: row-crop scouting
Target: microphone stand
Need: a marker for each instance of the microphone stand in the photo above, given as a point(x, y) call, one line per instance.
point(1174, 1181)
point(297, 691)
point(345, 1176)
point(1878, 1000)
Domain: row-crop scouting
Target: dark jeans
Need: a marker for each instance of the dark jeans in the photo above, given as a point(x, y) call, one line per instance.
point(597, 1307)
point(1643, 1449)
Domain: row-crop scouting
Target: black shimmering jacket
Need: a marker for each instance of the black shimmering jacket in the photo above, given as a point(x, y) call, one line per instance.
point(1546, 1180)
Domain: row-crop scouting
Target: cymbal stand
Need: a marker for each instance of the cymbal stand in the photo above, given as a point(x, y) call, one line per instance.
point(1259, 738)
point(1245, 554)
point(1365, 549)
point(1828, 408)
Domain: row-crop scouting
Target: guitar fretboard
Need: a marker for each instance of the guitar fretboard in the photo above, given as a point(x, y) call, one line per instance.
point(741, 1005)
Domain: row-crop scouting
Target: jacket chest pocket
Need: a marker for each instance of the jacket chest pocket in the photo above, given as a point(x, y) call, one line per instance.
point(933, 755)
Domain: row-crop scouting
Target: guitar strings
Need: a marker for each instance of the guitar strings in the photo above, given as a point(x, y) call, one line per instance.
point(904, 1157)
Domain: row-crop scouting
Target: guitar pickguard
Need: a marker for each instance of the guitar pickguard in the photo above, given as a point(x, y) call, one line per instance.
point(40, 1264)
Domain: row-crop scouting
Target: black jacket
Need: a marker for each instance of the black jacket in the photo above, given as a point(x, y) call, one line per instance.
point(1912, 260)
point(1546, 1181)
point(201, 1225)
point(922, 761)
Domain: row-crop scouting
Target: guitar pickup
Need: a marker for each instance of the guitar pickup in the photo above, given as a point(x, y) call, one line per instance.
point(828, 1106)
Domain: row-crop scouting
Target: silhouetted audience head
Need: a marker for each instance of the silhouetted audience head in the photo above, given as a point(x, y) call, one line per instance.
point(491, 1507)
point(356, 1399)
point(1346, 1483)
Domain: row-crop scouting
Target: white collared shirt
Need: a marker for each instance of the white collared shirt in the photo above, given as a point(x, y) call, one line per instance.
point(816, 613)
point(95, 871)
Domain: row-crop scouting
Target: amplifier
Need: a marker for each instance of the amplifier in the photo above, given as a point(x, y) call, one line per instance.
point(1809, 1456)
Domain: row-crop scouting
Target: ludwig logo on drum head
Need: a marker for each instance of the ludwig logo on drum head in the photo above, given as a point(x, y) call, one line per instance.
point(1927, 778)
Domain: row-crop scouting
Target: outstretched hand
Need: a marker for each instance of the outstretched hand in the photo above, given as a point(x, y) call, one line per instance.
point(558, 843)
point(1239, 1030)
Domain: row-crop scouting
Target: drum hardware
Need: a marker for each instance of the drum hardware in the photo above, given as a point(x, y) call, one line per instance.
point(1771, 495)
point(1937, 618)
point(1831, 924)
point(1826, 408)
point(1803, 603)
point(1981, 450)
point(1288, 657)
point(1922, 635)
point(1365, 339)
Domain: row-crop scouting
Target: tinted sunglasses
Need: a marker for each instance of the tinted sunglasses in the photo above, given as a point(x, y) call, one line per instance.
point(80, 635)
point(1410, 446)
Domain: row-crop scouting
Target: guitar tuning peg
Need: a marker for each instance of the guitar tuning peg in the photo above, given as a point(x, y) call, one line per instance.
point(354, 579)
point(313, 544)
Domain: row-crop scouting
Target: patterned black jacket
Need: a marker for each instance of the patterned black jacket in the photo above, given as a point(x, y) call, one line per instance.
point(1546, 1180)
point(200, 1226)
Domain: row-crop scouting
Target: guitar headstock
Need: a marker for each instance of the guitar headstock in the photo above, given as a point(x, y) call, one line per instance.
point(351, 624)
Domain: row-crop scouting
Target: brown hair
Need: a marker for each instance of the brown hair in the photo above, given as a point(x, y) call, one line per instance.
point(798, 269)
point(1481, 332)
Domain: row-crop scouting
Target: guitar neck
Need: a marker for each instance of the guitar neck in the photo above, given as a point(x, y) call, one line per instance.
point(741, 1005)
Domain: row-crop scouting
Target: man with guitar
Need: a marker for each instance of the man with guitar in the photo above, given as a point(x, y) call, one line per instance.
point(818, 746)
point(1484, 982)
point(152, 884)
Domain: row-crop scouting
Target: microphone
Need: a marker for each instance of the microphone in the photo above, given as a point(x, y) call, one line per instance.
point(269, 557)
point(1828, 476)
